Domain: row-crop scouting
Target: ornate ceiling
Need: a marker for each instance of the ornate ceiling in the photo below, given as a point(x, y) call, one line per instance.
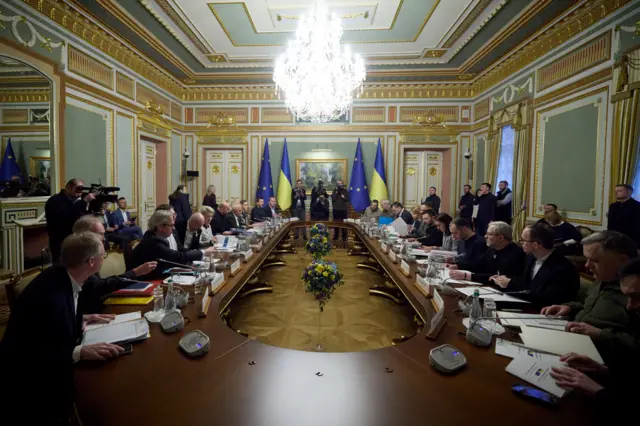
point(236, 42)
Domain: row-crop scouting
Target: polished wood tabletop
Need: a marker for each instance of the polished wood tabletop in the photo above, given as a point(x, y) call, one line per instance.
point(245, 382)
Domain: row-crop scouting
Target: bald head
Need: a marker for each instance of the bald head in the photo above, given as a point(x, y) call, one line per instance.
point(224, 208)
point(196, 221)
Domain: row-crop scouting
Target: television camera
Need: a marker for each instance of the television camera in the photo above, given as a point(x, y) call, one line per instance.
point(104, 194)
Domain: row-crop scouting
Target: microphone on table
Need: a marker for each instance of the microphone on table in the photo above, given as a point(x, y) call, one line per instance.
point(480, 336)
point(190, 267)
point(129, 280)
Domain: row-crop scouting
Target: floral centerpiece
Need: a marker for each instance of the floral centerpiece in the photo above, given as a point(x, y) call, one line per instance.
point(319, 229)
point(318, 246)
point(321, 278)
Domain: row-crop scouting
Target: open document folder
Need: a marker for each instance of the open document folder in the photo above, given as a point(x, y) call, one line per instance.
point(559, 342)
point(129, 331)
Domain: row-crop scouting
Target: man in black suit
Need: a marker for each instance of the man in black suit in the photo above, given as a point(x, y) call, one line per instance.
point(272, 210)
point(62, 210)
point(234, 218)
point(548, 209)
point(466, 203)
point(42, 341)
point(174, 239)
point(486, 209)
point(433, 199)
point(219, 224)
point(503, 257)
point(156, 244)
point(258, 213)
point(503, 202)
point(548, 278)
point(320, 208)
point(471, 246)
point(430, 235)
point(194, 231)
point(298, 209)
point(624, 214)
point(400, 212)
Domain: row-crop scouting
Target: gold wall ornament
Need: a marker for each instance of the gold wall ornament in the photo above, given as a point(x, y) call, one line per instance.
point(215, 170)
point(429, 121)
point(222, 121)
point(149, 165)
point(411, 171)
point(235, 169)
point(433, 171)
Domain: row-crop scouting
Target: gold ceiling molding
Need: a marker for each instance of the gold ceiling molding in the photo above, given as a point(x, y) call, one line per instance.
point(470, 19)
point(481, 109)
point(18, 95)
point(125, 86)
point(409, 114)
point(542, 42)
point(276, 115)
point(368, 114)
point(434, 53)
point(586, 83)
point(15, 116)
point(72, 20)
point(89, 67)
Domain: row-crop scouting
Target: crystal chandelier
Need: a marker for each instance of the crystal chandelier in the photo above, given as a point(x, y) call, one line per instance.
point(318, 81)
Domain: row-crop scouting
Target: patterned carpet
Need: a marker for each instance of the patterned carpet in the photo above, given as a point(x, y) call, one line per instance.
point(352, 320)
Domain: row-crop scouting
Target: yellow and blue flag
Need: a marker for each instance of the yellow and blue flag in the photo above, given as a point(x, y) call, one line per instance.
point(265, 183)
point(9, 167)
point(358, 191)
point(379, 178)
point(284, 181)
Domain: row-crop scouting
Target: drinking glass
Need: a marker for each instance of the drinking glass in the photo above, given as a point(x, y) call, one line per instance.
point(489, 308)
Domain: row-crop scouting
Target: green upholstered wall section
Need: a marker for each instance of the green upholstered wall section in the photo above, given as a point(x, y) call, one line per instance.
point(85, 145)
point(125, 167)
point(569, 162)
point(176, 161)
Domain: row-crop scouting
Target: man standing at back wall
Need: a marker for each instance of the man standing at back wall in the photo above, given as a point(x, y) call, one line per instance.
point(340, 200)
point(624, 214)
point(433, 199)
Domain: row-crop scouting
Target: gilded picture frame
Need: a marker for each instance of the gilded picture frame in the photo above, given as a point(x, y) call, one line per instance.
point(330, 170)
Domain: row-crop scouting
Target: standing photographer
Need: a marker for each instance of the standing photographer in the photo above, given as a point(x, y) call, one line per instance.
point(340, 201)
point(298, 197)
point(317, 191)
point(62, 210)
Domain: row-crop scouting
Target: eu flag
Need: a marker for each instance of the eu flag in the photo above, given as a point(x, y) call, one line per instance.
point(358, 191)
point(265, 183)
point(284, 181)
point(9, 167)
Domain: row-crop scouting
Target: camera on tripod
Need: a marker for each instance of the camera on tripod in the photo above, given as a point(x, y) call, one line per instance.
point(103, 195)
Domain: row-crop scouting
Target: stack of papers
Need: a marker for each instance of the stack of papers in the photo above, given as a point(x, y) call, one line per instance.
point(537, 372)
point(128, 331)
point(514, 350)
point(181, 279)
point(531, 320)
point(226, 243)
point(559, 342)
point(489, 293)
point(131, 316)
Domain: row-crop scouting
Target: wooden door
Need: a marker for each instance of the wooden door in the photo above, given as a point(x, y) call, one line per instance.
point(148, 164)
point(224, 169)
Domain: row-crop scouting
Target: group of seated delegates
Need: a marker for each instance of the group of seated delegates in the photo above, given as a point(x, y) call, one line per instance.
point(53, 311)
point(262, 212)
point(120, 228)
point(382, 209)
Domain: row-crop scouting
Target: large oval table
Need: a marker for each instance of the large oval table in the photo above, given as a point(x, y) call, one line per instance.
point(245, 382)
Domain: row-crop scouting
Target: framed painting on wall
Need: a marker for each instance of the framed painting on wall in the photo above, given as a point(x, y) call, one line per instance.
point(329, 171)
point(40, 167)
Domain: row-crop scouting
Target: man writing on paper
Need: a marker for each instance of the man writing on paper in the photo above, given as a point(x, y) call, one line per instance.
point(96, 289)
point(471, 246)
point(41, 343)
point(503, 257)
point(548, 276)
point(603, 315)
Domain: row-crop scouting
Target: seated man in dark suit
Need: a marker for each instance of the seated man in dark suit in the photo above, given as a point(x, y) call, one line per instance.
point(111, 235)
point(548, 278)
point(400, 212)
point(194, 231)
point(121, 221)
point(503, 257)
point(234, 218)
point(271, 209)
point(156, 244)
point(174, 238)
point(258, 213)
point(219, 224)
point(471, 246)
point(42, 341)
point(430, 235)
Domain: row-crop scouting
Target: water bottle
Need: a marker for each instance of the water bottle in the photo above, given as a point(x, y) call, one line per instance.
point(158, 299)
point(170, 299)
point(476, 309)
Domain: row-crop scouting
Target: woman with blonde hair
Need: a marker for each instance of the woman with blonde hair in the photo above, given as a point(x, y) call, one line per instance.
point(210, 198)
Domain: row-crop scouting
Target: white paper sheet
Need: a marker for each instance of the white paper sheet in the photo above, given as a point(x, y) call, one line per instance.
point(489, 293)
point(400, 226)
point(131, 316)
point(181, 279)
point(536, 372)
point(542, 321)
point(559, 342)
point(513, 350)
point(123, 332)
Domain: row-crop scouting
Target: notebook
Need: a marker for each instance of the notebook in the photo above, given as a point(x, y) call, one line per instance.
point(131, 316)
point(139, 289)
point(129, 331)
point(133, 301)
point(559, 342)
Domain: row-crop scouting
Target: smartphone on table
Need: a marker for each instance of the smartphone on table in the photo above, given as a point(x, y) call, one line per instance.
point(535, 395)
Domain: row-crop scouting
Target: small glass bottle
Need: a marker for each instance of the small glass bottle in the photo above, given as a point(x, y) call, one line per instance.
point(476, 309)
point(170, 299)
point(158, 299)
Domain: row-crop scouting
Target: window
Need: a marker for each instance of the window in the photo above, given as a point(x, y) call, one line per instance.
point(505, 160)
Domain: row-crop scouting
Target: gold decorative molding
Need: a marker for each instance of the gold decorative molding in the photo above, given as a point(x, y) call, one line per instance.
point(144, 95)
point(276, 115)
point(205, 115)
point(585, 83)
point(176, 112)
point(368, 115)
point(587, 56)
point(18, 95)
point(434, 53)
point(15, 116)
point(125, 86)
point(409, 114)
point(90, 68)
point(178, 21)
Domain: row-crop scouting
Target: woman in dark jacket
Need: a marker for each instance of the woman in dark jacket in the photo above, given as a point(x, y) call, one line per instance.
point(210, 198)
point(179, 200)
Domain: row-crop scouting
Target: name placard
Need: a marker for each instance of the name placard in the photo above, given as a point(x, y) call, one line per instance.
point(392, 256)
point(266, 238)
point(370, 234)
point(423, 285)
point(206, 301)
point(247, 255)
point(405, 268)
point(437, 300)
point(383, 247)
point(235, 267)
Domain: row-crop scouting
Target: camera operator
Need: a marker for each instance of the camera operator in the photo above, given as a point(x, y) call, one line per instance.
point(62, 210)
point(299, 195)
point(320, 209)
point(317, 191)
point(340, 201)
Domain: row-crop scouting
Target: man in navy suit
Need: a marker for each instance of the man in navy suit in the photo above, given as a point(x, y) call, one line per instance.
point(122, 223)
point(42, 341)
point(400, 212)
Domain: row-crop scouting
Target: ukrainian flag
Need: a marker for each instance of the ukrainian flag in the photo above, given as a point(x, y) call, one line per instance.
point(284, 182)
point(378, 190)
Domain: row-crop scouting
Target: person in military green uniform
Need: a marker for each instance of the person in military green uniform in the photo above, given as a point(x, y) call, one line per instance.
point(603, 315)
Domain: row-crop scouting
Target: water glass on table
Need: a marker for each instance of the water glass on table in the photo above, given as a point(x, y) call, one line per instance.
point(489, 308)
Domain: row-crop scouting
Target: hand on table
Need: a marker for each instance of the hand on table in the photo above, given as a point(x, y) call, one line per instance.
point(452, 267)
point(583, 363)
point(145, 268)
point(583, 328)
point(556, 310)
point(209, 251)
point(100, 352)
point(570, 378)
point(456, 274)
point(500, 280)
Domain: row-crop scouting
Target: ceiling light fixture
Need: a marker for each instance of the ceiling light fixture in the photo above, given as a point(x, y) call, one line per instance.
point(317, 80)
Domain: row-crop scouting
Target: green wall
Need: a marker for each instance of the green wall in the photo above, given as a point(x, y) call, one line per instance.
point(124, 158)
point(569, 162)
point(302, 150)
point(85, 145)
point(176, 161)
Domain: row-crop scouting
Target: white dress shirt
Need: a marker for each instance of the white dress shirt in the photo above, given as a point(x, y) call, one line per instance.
point(173, 244)
point(538, 265)
point(76, 290)
point(124, 214)
point(206, 237)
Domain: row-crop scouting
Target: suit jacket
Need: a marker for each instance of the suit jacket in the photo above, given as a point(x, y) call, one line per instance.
point(210, 200)
point(153, 247)
point(466, 201)
point(43, 330)
point(320, 210)
point(471, 252)
point(340, 203)
point(432, 236)
point(486, 213)
point(406, 216)
point(267, 211)
point(258, 214)
point(96, 290)
point(61, 213)
point(509, 262)
point(115, 218)
point(219, 224)
point(295, 198)
point(556, 282)
point(623, 217)
point(435, 202)
point(192, 239)
point(182, 207)
point(230, 219)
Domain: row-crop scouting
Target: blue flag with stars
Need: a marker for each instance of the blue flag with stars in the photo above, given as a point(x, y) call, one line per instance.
point(265, 183)
point(358, 191)
point(9, 167)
